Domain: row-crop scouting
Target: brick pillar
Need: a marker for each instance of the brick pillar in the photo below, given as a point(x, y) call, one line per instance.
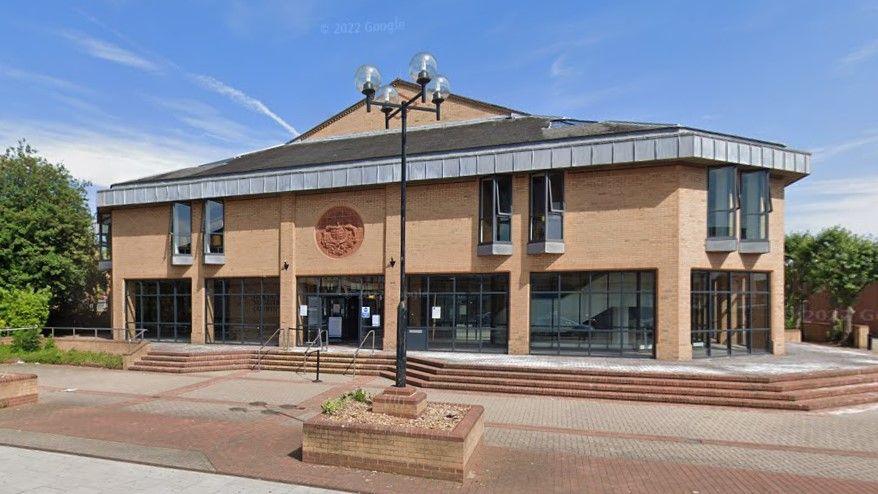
point(778, 324)
point(288, 304)
point(119, 303)
point(673, 326)
point(673, 304)
point(391, 274)
point(519, 275)
point(197, 275)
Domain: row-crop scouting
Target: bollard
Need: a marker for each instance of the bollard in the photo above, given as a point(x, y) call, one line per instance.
point(318, 368)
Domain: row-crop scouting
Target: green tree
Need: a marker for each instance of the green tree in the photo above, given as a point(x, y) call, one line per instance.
point(843, 263)
point(798, 277)
point(46, 236)
point(24, 308)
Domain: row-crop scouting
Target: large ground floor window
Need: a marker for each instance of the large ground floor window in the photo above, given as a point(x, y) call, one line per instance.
point(243, 310)
point(730, 313)
point(593, 313)
point(347, 308)
point(161, 307)
point(467, 312)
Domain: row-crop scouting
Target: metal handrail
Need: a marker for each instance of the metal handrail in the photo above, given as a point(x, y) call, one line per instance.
point(260, 354)
point(131, 334)
point(12, 330)
point(357, 352)
point(310, 345)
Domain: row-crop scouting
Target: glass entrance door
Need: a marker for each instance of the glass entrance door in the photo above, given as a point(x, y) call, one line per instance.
point(346, 307)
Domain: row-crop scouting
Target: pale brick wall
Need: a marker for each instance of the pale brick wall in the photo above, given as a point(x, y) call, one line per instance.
point(633, 218)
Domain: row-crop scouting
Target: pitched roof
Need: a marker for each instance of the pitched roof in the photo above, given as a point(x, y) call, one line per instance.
point(453, 136)
point(401, 83)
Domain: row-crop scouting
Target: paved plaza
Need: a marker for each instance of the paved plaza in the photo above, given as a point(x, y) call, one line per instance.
point(33, 471)
point(249, 424)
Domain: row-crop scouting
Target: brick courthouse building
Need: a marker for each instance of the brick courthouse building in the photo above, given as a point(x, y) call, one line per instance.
point(526, 234)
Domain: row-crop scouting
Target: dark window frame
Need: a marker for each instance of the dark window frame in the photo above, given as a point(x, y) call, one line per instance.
point(731, 209)
point(497, 214)
point(105, 236)
point(426, 293)
point(218, 295)
point(644, 328)
point(174, 292)
point(208, 233)
point(175, 235)
point(765, 204)
point(539, 220)
point(706, 332)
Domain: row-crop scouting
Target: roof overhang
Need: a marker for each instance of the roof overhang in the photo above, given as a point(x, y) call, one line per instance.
point(637, 149)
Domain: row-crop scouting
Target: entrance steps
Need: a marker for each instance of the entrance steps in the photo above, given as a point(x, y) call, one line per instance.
point(812, 390)
point(798, 391)
point(269, 359)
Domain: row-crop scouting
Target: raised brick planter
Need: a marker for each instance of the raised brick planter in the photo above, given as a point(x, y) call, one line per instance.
point(17, 389)
point(434, 454)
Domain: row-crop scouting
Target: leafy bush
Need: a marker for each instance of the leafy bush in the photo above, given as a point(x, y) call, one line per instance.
point(49, 344)
point(24, 307)
point(53, 355)
point(331, 407)
point(360, 395)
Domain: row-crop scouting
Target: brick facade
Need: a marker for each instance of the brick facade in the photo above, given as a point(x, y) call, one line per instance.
point(651, 218)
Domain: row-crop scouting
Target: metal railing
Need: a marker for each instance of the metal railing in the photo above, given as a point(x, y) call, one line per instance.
point(8, 331)
point(129, 334)
point(317, 339)
point(260, 354)
point(353, 363)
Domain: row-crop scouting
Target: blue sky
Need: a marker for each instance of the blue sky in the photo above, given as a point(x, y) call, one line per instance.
point(122, 89)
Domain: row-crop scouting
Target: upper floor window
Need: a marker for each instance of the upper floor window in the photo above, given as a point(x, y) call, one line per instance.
point(181, 228)
point(547, 207)
point(105, 237)
point(214, 226)
point(755, 205)
point(495, 210)
point(722, 202)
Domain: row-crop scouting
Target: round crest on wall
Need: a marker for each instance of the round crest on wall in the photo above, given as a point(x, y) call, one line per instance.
point(339, 232)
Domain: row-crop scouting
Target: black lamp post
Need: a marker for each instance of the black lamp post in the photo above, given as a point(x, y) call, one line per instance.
point(422, 69)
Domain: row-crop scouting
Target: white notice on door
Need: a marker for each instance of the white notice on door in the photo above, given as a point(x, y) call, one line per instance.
point(376, 320)
point(437, 312)
point(303, 310)
point(334, 327)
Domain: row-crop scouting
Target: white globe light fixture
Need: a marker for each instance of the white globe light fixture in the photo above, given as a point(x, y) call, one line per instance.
point(367, 80)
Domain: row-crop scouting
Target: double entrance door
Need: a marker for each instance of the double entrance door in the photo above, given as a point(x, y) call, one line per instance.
point(346, 308)
point(345, 319)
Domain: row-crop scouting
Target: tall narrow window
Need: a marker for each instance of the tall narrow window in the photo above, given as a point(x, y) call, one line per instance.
point(722, 202)
point(495, 210)
point(547, 207)
point(181, 228)
point(755, 205)
point(214, 226)
point(105, 236)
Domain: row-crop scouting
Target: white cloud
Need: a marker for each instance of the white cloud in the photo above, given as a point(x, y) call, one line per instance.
point(861, 54)
point(109, 155)
point(560, 68)
point(28, 77)
point(207, 119)
point(817, 204)
point(112, 53)
point(242, 99)
point(822, 153)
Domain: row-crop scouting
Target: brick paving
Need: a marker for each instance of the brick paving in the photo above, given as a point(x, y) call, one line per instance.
point(31, 471)
point(249, 424)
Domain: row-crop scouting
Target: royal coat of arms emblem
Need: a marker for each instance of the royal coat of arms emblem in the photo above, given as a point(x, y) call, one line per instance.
point(339, 232)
